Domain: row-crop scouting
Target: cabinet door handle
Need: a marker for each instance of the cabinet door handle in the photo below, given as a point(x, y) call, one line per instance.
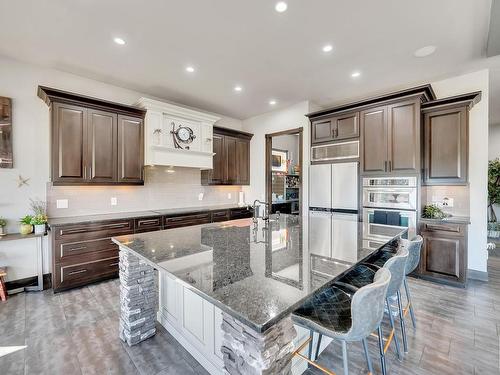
point(385, 166)
point(148, 222)
point(77, 248)
point(390, 165)
point(77, 272)
point(114, 264)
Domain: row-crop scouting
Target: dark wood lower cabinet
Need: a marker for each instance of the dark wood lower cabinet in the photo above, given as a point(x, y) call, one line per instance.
point(84, 253)
point(444, 253)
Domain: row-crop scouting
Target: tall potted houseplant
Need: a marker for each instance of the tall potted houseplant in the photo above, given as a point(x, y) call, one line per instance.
point(39, 219)
point(3, 223)
point(493, 196)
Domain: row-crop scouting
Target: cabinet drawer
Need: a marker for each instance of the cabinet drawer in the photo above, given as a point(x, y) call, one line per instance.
point(64, 250)
point(218, 216)
point(187, 220)
point(85, 272)
point(94, 230)
point(240, 213)
point(455, 230)
point(148, 224)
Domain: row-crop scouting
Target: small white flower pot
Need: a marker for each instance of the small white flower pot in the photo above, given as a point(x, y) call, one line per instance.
point(40, 229)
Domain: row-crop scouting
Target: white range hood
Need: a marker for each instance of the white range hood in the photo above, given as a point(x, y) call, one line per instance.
point(177, 136)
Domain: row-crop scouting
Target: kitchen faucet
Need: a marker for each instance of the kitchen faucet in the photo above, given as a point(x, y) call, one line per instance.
point(265, 216)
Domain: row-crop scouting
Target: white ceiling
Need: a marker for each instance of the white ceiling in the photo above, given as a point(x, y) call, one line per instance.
point(246, 42)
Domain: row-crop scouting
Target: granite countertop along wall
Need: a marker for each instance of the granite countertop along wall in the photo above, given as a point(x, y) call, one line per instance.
point(258, 273)
point(86, 219)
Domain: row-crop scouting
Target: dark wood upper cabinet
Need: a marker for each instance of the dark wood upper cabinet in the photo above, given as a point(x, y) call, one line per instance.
point(404, 136)
point(243, 161)
point(94, 141)
point(130, 149)
point(231, 162)
point(374, 140)
point(446, 139)
point(343, 126)
point(69, 143)
point(390, 138)
point(102, 130)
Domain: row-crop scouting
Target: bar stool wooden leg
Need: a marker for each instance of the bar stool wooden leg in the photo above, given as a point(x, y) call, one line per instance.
point(3, 290)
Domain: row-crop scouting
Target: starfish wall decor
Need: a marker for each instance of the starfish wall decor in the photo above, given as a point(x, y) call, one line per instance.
point(21, 181)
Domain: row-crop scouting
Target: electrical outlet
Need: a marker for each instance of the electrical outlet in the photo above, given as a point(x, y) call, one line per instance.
point(228, 195)
point(62, 203)
point(114, 201)
point(200, 196)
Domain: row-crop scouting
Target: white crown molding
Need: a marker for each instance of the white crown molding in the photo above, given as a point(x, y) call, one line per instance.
point(176, 110)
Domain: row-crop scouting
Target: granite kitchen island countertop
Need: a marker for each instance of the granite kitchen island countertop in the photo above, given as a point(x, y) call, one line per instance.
point(257, 273)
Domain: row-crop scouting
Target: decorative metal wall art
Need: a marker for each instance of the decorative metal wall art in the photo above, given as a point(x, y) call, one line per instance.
point(183, 135)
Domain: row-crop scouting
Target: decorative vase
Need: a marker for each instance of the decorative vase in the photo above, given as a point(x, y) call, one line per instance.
point(39, 228)
point(25, 228)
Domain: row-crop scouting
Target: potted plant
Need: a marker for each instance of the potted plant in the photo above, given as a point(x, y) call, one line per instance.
point(39, 222)
point(3, 223)
point(25, 225)
point(39, 218)
point(493, 188)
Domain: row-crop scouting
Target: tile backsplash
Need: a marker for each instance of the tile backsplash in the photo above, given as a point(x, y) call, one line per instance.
point(459, 194)
point(162, 189)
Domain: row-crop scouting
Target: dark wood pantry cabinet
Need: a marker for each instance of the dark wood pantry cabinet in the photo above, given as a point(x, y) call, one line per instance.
point(231, 162)
point(94, 142)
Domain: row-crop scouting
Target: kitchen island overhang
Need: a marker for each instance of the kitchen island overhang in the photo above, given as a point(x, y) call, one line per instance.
point(226, 290)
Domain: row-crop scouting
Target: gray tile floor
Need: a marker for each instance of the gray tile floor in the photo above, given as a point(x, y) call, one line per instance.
point(76, 333)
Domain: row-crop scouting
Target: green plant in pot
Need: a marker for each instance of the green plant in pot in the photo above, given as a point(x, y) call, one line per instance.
point(493, 188)
point(39, 218)
point(25, 226)
point(432, 211)
point(39, 222)
point(3, 223)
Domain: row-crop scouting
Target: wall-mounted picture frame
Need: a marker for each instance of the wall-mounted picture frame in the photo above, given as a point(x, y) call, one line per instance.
point(279, 160)
point(6, 154)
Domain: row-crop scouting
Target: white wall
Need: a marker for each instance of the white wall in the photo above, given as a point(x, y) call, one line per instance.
point(272, 122)
point(31, 137)
point(478, 160)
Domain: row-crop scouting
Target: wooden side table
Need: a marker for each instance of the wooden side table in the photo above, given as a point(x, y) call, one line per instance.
point(3, 289)
point(39, 256)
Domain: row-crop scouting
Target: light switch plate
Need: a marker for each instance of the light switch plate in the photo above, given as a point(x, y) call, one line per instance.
point(200, 196)
point(62, 203)
point(228, 195)
point(114, 201)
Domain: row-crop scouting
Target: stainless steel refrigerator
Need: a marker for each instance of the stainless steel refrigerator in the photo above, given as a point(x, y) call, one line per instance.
point(333, 207)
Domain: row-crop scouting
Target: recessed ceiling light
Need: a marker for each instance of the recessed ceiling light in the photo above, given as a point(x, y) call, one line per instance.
point(281, 6)
point(272, 102)
point(425, 51)
point(119, 41)
point(238, 88)
point(355, 74)
point(327, 48)
point(190, 69)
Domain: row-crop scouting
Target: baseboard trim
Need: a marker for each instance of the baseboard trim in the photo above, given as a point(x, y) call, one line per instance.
point(19, 285)
point(477, 275)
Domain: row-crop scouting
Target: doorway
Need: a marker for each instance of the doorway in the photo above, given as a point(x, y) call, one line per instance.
point(284, 171)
